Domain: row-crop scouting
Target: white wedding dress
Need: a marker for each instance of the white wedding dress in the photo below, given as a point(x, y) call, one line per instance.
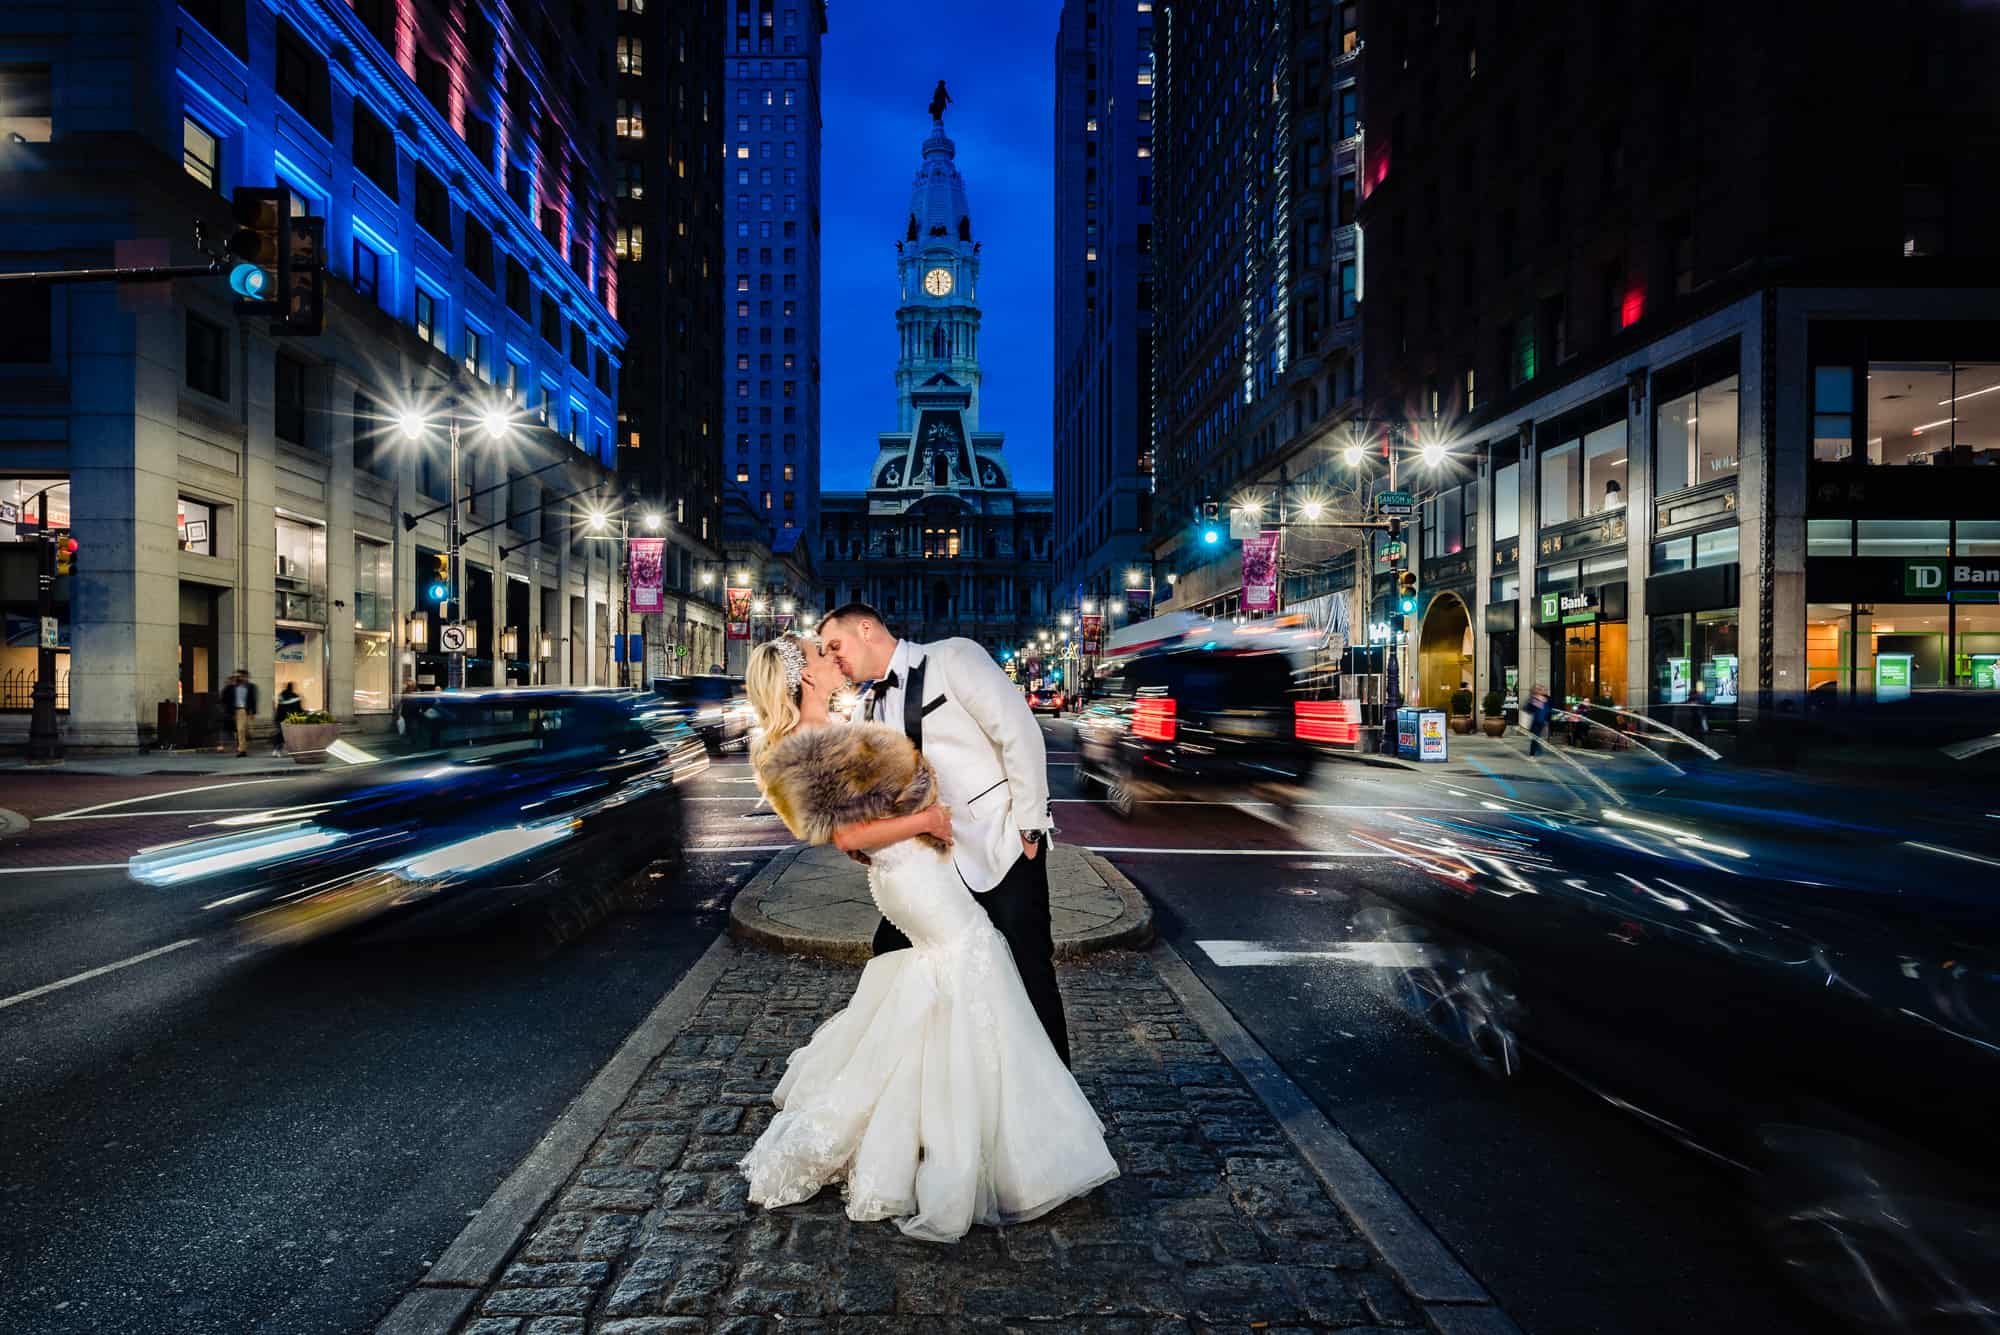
point(935, 1097)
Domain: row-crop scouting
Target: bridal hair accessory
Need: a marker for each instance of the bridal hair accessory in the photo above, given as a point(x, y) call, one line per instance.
point(795, 662)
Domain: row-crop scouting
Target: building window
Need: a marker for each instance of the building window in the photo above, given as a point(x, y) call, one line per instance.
point(373, 609)
point(1934, 413)
point(552, 324)
point(520, 298)
point(207, 357)
point(1695, 434)
point(475, 351)
point(26, 105)
point(1350, 288)
point(374, 150)
point(1348, 111)
point(631, 180)
point(631, 55)
point(197, 527)
point(426, 313)
point(289, 391)
point(1833, 413)
point(201, 152)
point(631, 122)
point(1350, 27)
point(478, 251)
point(371, 438)
point(433, 206)
point(300, 78)
point(630, 243)
point(1507, 502)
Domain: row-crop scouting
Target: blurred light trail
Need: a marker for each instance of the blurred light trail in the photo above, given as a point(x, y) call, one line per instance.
point(165, 867)
point(1950, 852)
point(178, 792)
point(485, 850)
point(1376, 954)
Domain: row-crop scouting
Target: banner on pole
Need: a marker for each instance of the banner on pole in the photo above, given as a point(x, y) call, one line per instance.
point(1093, 629)
point(737, 601)
point(1260, 572)
point(644, 575)
point(1140, 601)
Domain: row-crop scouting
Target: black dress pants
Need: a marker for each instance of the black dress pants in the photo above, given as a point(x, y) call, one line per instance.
point(1019, 908)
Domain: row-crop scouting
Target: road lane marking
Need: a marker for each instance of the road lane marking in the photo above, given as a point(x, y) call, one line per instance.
point(177, 792)
point(143, 815)
point(70, 866)
point(738, 848)
point(1378, 954)
point(1950, 852)
point(1308, 853)
point(88, 974)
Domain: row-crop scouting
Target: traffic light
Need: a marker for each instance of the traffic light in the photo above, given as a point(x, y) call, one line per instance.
point(1211, 524)
point(440, 586)
point(1406, 592)
point(66, 548)
point(302, 297)
point(259, 244)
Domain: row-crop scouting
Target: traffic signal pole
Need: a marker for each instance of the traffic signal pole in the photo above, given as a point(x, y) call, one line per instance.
point(44, 737)
point(454, 663)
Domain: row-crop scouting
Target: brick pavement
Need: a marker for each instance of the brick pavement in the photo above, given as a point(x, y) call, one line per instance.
point(1216, 1224)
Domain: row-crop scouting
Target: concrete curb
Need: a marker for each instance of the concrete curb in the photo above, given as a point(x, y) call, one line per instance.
point(480, 1252)
point(1454, 1302)
point(1131, 930)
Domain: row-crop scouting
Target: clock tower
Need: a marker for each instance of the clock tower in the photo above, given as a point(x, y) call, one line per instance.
point(937, 270)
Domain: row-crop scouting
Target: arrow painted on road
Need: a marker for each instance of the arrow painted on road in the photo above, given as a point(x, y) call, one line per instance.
point(1375, 954)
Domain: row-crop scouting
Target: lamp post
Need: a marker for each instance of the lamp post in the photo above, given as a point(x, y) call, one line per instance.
point(600, 525)
point(497, 419)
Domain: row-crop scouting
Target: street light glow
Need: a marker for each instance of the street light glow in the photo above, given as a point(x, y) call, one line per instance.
point(1312, 510)
point(759, 606)
point(707, 578)
point(1067, 618)
point(1252, 507)
point(1352, 454)
point(496, 420)
point(786, 607)
point(1089, 606)
point(411, 423)
point(1434, 454)
point(652, 521)
point(599, 521)
point(1133, 578)
point(1117, 607)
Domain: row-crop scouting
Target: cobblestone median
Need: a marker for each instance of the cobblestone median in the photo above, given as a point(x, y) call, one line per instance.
point(1215, 1225)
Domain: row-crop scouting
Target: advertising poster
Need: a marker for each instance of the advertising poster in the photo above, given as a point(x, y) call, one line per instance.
point(1139, 602)
point(1260, 572)
point(1511, 697)
point(1892, 676)
point(1431, 735)
point(1986, 671)
point(1718, 678)
point(736, 603)
point(1093, 629)
point(644, 576)
point(1679, 681)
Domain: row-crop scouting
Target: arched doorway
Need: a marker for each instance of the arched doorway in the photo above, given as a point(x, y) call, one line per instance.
point(1444, 651)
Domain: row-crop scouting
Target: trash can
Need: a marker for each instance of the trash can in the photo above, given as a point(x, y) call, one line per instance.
point(1406, 731)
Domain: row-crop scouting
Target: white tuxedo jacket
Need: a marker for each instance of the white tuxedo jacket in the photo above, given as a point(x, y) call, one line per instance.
point(976, 730)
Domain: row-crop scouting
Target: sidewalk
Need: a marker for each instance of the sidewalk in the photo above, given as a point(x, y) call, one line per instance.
point(138, 764)
point(1240, 1206)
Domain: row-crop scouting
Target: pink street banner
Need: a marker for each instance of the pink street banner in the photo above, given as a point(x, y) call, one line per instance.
point(1093, 628)
point(1260, 572)
point(737, 603)
point(644, 575)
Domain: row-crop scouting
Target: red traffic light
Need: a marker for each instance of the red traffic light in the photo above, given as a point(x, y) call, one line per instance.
point(67, 546)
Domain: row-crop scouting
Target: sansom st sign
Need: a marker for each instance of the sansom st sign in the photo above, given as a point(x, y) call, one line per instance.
point(1939, 578)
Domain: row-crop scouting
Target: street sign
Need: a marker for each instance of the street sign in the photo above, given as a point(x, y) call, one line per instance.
point(1395, 503)
point(452, 637)
point(1244, 523)
point(1392, 553)
point(50, 634)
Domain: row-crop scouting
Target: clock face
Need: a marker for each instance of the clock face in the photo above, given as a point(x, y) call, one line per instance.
point(938, 282)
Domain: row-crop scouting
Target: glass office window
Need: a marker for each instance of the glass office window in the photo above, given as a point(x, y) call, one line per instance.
point(1829, 537)
point(1507, 502)
point(1606, 469)
point(1903, 537)
point(1560, 469)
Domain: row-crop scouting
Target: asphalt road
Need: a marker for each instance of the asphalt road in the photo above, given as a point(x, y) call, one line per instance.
point(213, 1139)
point(206, 1139)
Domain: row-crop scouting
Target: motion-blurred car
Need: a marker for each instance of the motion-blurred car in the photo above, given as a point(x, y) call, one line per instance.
point(537, 800)
point(714, 706)
point(1218, 720)
point(1046, 700)
point(1789, 977)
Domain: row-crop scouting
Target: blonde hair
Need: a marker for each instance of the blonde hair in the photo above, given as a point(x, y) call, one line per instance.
point(774, 699)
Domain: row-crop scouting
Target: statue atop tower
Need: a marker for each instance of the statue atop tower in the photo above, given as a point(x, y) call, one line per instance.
point(940, 99)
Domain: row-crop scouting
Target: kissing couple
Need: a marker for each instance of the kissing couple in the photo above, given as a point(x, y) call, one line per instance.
point(941, 1097)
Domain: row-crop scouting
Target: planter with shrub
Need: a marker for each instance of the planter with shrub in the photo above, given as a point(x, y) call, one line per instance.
point(1461, 712)
point(307, 735)
point(1491, 721)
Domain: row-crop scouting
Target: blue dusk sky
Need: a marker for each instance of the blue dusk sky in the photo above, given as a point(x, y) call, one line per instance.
point(882, 58)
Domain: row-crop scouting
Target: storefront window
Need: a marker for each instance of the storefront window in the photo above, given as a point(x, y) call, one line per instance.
point(196, 523)
point(1829, 639)
point(1903, 537)
point(20, 503)
point(1506, 588)
point(1507, 502)
point(1673, 556)
point(1695, 669)
point(1594, 663)
point(1976, 646)
point(1977, 537)
point(1695, 437)
point(1933, 413)
point(373, 608)
point(1717, 547)
point(1913, 631)
point(1833, 413)
point(1829, 537)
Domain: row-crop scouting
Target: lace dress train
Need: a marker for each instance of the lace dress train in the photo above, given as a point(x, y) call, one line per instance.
point(935, 1097)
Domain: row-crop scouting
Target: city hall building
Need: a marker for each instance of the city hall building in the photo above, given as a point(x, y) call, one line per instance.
point(941, 542)
point(244, 501)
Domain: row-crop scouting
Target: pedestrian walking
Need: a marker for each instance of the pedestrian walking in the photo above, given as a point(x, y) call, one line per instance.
point(290, 702)
point(1540, 707)
point(240, 699)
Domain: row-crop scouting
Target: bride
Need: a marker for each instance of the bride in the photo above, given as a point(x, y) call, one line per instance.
point(935, 1098)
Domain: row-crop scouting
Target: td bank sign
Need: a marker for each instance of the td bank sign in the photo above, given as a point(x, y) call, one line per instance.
point(1935, 579)
point(1568, 607)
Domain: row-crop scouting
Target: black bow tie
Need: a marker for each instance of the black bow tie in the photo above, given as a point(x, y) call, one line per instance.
point(884, 686)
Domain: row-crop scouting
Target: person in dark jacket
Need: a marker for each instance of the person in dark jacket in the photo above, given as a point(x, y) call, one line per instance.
point(290, 702)
point(239, 702)
point(1540, 707)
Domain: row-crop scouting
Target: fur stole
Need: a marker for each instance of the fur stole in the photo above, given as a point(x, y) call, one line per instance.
point(823, 777)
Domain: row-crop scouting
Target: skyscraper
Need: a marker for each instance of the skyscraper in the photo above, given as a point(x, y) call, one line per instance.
point(1103, 404)
point(1256, 320)
point(771, 95)
point(669, 238)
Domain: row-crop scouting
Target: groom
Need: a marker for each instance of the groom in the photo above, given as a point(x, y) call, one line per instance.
point(953, 701)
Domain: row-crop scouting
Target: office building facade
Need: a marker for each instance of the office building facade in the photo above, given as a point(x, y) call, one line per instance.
point(249, 502)
point(1719, 453)
point(1103, 407)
